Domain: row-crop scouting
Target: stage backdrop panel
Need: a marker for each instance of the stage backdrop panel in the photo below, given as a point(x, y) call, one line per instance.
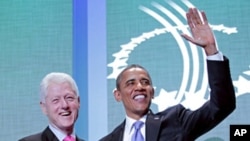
point(35, 39)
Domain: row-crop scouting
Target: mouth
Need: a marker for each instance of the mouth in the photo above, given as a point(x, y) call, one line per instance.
point(66, 113)
point(139, 97)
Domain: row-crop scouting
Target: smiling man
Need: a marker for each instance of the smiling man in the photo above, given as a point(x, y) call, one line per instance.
point(60, 102)
point(134, 89)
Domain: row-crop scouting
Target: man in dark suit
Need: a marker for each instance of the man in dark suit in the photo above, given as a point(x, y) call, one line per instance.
point(60, 102)
point(134, 88)
point(46, 135)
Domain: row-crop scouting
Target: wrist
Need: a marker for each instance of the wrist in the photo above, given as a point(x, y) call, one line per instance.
point(211, 50)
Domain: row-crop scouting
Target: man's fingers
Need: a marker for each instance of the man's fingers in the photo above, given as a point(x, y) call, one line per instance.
point(197, 17)
point(187, 37)
point(204, 17)
point(189, 21)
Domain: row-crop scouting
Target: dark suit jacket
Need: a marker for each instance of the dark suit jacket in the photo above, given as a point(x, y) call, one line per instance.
point(46, 135)
point(180, 124)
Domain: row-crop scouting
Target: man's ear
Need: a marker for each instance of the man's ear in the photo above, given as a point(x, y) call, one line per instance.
point(43, 107)
point(78, 99)
point(153, 92)
point(117, 95)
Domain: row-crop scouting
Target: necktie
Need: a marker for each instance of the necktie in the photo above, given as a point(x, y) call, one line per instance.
point(137, 136)
point(68, 138)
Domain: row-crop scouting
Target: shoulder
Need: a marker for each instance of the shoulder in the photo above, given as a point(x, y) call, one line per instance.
point(115, 134)
point(172, 112)
point(79, 139)
point(39, 136)
point(34, 137)
point(169, 111)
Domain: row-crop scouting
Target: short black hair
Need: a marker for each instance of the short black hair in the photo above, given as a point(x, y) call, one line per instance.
point(119, 77)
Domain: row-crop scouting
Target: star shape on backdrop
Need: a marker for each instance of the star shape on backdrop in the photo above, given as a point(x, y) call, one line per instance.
point(242, 85)
point(165, 99)
point(193, 100)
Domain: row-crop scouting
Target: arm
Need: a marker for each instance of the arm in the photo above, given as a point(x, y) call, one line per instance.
point(221, 103)
point(222, 95)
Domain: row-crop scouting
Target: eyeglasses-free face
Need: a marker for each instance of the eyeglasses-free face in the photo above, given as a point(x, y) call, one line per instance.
point(61, 105)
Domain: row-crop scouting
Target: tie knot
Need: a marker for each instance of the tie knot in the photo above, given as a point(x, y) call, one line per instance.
point(138, 124)
point(68, 138)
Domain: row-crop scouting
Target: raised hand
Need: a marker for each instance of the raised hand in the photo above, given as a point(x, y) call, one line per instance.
point(202, 34)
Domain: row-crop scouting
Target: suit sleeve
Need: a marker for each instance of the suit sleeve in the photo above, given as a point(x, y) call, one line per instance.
point(221, 104)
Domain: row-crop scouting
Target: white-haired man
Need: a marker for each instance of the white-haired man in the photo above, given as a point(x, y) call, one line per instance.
point(60, 102)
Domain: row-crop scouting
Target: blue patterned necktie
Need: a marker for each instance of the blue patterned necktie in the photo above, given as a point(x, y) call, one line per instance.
point(137, 136)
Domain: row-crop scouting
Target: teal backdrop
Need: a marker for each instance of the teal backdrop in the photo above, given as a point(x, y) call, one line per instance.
point(93, 40)
point(35, 39)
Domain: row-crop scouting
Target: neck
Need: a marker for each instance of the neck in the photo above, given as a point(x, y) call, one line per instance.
point(67, 131)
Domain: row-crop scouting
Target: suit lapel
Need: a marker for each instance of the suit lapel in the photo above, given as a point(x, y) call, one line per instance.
point(153, 125)
point(120, 131)
point(117, 135)
point(48, 135)
point(78, 139)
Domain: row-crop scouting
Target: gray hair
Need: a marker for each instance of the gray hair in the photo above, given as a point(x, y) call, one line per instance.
point(56, 77)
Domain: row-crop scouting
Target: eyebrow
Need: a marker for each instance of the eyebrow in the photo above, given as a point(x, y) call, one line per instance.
point(129, 80)
point(144, 78)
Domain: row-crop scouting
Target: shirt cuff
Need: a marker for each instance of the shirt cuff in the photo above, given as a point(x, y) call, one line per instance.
point(216, 57)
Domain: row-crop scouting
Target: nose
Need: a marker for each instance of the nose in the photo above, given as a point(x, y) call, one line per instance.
point(64, 103)
point(139, 86)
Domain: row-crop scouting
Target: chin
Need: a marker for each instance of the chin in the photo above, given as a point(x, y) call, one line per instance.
point(68, 126)
point(142, 110)
point(67, 123)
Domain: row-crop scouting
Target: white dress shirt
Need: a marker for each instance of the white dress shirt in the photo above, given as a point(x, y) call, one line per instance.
point(129, 130)
point(58, 133)
point(218, 56)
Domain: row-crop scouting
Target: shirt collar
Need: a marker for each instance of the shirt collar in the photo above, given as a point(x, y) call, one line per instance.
point(129, 122)
point(58, 133)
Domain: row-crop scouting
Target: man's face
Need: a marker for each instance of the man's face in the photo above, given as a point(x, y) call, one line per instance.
point(135, 92)
point(61, 105)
